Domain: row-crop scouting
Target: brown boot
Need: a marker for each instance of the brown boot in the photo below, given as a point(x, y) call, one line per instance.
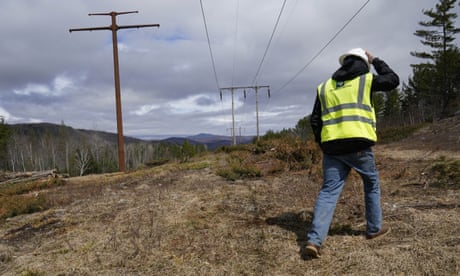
point(312, 250)
point(385, 229)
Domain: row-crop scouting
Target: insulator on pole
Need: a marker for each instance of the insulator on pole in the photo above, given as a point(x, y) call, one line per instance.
point(269, 92)
point(244, 91)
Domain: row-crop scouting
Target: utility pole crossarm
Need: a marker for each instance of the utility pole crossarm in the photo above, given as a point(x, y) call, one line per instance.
point(138, 26)
point(244, 87)
point(116, 27)
point(112, 13)
point(90, 29)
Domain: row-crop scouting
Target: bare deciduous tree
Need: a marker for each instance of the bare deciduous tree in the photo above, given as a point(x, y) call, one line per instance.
point(82, 158)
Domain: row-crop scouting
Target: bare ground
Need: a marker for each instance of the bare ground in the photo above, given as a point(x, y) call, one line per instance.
point(183, 219)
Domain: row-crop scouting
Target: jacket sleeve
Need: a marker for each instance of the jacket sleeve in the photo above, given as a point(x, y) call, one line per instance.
point(386, 79)
point(315, 120)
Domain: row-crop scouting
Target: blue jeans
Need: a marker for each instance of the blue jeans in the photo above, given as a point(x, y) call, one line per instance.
point(335, 171)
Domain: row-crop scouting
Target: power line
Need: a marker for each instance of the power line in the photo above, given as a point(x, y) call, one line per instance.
point(209, 44)
point(324, 47)
point(269, 42)
point(236, 39)
point(289, 16)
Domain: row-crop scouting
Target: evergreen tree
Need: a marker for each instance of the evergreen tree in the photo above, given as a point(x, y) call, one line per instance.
point(378, 100)
point(187, 151)
point(434, 80)
point(410, 113)
point(5, 134)
point(392, 107)
point(303, 128)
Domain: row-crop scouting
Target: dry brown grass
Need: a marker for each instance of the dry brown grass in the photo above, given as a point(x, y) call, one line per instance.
point(184, 219)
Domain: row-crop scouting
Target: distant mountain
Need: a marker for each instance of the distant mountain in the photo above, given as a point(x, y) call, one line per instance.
point(206, 137)
point(39, 130)
point(211, 141)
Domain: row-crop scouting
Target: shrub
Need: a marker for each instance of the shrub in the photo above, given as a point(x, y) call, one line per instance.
point(446, 174)
point(298, 154)
point(273, 153)
point(240, 166)
point(21, 204)
point(24, 198)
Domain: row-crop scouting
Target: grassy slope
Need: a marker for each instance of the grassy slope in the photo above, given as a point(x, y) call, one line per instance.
point(184, 219)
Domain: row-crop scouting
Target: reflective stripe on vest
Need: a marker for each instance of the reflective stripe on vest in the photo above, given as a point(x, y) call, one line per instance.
point(346, 114)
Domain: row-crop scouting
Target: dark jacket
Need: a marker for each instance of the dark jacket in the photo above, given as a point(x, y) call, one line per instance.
point(353, 67)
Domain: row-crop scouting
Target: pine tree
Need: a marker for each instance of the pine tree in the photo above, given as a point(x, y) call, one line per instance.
point(303, 128)
point(5, 134)
point(392, 106)
point(435, 79)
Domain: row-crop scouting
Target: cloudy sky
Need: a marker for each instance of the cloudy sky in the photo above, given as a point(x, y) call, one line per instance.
point(168, 85)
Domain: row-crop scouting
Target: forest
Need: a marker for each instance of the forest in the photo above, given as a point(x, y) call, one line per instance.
point(76, 152)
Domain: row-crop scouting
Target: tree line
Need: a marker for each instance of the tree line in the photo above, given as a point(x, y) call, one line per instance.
point(432, 92)
point(78, 152)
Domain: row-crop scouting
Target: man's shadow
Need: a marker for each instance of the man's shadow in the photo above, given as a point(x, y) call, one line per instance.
point(300, 223)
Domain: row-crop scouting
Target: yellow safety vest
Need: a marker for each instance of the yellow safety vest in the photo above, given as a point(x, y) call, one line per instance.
point(347, 110)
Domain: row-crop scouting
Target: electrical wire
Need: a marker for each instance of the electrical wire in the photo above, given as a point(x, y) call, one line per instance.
point(269, 42)
point(323, 48)
point(289, 17)
point(281, 29)
point(210, 49)
point(211, 53)
point(236, 39)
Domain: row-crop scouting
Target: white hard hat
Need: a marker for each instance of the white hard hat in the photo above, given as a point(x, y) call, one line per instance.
point(359, 52)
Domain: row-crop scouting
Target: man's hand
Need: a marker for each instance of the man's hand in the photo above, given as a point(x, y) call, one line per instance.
point(370, 57)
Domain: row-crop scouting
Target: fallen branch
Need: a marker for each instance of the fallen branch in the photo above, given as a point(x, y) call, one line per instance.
point(27, 176)
point(435, 205)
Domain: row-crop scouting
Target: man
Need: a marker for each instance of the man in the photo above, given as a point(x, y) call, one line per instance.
point(344, 124)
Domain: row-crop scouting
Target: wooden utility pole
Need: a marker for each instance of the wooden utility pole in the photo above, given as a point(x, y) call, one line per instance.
point(256, 89)
point(231, 89)
point(114, 28)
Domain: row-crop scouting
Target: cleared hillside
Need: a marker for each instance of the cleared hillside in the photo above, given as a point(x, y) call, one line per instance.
point(186, 219)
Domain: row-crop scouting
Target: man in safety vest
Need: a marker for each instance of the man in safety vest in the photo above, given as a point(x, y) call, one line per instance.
point(344, 124)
